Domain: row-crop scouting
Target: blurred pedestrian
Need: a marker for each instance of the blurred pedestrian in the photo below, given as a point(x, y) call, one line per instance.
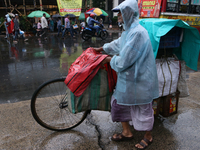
point(67, 27)
point(59, 25)
point(51, 24)
point(39, 28)
point(109, 23)
point(16, 28)
point(6, 27)
point(101, 21)
point(44, 25)
point(74, 26)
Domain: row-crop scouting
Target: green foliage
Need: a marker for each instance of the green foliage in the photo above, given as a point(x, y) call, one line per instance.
point(24, 24)
point(2, 27)
point(99, 4)
point(114, 20)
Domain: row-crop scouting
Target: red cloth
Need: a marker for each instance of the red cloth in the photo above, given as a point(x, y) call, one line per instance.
point(10, 27)
point(112, 77)
point(82, 71)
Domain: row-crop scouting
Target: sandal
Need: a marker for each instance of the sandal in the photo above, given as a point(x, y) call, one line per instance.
point(121, 137)
point(143, 144)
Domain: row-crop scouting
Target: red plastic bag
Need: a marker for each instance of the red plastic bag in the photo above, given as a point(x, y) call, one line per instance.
point(82, 71)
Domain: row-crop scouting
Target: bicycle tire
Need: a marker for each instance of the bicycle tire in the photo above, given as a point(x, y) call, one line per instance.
point(50, 109)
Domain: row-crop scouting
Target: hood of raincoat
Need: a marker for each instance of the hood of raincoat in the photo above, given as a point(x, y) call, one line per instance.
point(129, 10)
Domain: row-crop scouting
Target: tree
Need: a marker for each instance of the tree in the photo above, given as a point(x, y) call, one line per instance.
point(99, 4)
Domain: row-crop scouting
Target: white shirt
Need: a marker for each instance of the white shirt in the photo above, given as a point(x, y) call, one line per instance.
point(44, 23)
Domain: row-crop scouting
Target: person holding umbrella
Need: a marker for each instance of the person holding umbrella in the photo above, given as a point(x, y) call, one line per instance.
point(59, 25)
point(67, 27)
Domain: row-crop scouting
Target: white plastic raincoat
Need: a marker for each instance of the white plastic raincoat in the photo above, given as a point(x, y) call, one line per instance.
point(133, 60)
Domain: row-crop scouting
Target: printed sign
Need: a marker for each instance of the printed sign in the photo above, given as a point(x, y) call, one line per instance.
point(184, 2)
point(193, 21)
point(69, 7)
point(195, 2)
point(172, 1)
point(149, 8)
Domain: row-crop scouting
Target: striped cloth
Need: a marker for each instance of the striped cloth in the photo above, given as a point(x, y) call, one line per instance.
point(95, 97)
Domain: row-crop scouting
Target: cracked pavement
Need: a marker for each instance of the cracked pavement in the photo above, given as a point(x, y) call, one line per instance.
point(180, 131)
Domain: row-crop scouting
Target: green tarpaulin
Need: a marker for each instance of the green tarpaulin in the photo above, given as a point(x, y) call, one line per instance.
point(190, 45)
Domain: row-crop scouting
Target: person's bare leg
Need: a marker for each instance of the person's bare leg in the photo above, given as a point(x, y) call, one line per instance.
point(126, 130)
point(148, 136)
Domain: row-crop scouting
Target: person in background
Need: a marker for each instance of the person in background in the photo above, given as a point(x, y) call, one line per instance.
point(6, 25)
point(87, 19)
point(16, 28)
point(39, 28)
point(59, 25)
point(82, 24)
point(74, 26)
point(67, 27)
point(101, 21)
point(109, 23)
point(44, 25)
point(91, 23)
point(137, 81)
point(51, 24)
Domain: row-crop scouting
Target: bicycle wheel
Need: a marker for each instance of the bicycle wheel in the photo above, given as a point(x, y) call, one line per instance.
point(49, 107)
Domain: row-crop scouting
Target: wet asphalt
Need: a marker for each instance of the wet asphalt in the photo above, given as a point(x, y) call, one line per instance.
point(26, 65)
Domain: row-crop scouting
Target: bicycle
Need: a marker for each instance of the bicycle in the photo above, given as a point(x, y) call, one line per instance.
point(49, 107)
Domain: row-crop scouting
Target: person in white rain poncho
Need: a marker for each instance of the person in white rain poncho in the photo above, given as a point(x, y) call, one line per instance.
point(137, 82)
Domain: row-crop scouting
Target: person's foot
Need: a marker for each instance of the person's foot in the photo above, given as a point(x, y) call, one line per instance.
point(121, 137)
point(14, 41)
point(5, 37)
point(25, 40)
point(144, 143)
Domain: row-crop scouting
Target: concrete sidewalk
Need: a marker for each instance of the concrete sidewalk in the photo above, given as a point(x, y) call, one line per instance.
point(19, 131)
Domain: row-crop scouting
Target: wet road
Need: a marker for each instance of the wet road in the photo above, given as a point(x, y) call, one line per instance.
point(26, 65)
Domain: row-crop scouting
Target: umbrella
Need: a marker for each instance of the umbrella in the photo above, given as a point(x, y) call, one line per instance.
point(70, 15)
point(97, 11)
point(38, 13)
point(56, 16)
point(82, 16)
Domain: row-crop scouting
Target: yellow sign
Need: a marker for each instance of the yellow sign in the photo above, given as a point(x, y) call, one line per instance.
point(194, 21)
point(69, 7)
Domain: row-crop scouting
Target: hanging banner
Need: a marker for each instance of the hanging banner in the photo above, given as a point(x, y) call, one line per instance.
point(69, 7)
point(149, 8)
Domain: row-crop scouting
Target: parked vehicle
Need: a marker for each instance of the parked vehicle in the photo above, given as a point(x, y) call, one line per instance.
point(88, 33)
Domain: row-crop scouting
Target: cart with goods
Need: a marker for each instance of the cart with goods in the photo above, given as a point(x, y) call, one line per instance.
point(176, 45)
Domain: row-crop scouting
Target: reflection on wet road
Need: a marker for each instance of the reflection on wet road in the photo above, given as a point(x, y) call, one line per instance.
point(26, 65)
